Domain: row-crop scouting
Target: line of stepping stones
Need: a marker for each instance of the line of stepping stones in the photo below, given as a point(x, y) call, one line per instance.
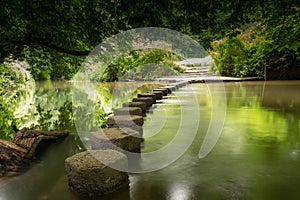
point(87, 176)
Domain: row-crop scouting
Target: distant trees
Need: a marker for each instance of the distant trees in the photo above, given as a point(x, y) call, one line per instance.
point(268, 46)
point(54, 35)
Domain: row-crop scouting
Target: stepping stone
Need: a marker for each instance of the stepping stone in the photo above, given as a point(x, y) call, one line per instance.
point(141, 105)
point(164, 91)
point(159, 94)
point(148, 100)
point(128, 111)
point(88, 176)
point(152, 95)
point(184, 83)
point(170, 89)
point(133, 122)
point(176, 85)
point(115, 138)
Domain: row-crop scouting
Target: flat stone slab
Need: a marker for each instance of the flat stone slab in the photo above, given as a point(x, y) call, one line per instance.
point(90, 177)
point(152, 95)
point(183, 83)
point(141, 105)
point(148, 100)
point(170, 88)
point(128, 111)
point(133, 122)
point(176, 85)
point(114, 138)
point(159, 94)
point(164, 91)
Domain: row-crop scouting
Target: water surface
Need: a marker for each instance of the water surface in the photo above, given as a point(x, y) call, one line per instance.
point(256, 157)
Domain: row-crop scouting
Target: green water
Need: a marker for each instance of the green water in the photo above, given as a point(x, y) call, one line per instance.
point(256, 157)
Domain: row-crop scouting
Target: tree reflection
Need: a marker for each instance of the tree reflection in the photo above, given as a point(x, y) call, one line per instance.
point(51, 106)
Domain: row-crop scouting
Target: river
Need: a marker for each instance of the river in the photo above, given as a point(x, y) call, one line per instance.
point(256, 157)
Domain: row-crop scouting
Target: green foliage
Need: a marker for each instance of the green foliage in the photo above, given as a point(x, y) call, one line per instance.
point(39, 63)
point(7, 121)
point(46, 64)
point(89, 115)
point(231, 56)
point(47, 120)
point(53, 35)
point(14, 80)
point(65, 117)
point(44, 118)
point(271, 48)
point(74, 27)
point(137, 62)
point(280, 46)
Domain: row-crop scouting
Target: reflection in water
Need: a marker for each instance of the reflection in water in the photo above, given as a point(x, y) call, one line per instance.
point(179, 192)
point(50, 105)
point(47, 107)
point(256, 157)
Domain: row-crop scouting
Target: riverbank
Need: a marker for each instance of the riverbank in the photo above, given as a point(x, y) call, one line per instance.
point(198, 70)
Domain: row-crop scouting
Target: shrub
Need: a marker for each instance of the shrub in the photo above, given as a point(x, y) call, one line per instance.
point(136, 62)
point(230, 57)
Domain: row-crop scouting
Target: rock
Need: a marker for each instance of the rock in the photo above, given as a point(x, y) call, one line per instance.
point(170, 88)
point(141, 105)
point(30, 139)
point(111, 138)
point(88, 176)
point(12, 157)
point(15, 155)
point(152, 95)
point(163, 90)
point(159, 94)
point(125, 120)
point(128, 111)
point(133, 122)
point(183, 83)
point(148, 100)
point(176, 85)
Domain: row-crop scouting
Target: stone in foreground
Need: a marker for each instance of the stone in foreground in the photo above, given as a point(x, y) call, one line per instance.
point(114, 138)
point(90, 177)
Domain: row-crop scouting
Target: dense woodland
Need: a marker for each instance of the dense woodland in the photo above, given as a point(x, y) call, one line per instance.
point(49, 39)
point(243, 36)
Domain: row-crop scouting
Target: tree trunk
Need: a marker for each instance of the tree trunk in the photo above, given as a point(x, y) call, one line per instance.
point(16, 154)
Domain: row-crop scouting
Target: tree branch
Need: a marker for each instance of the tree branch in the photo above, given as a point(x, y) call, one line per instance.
point(40, 41)
point(64, 50)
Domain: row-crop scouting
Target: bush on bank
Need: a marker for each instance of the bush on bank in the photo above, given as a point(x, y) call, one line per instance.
point(269, 48)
